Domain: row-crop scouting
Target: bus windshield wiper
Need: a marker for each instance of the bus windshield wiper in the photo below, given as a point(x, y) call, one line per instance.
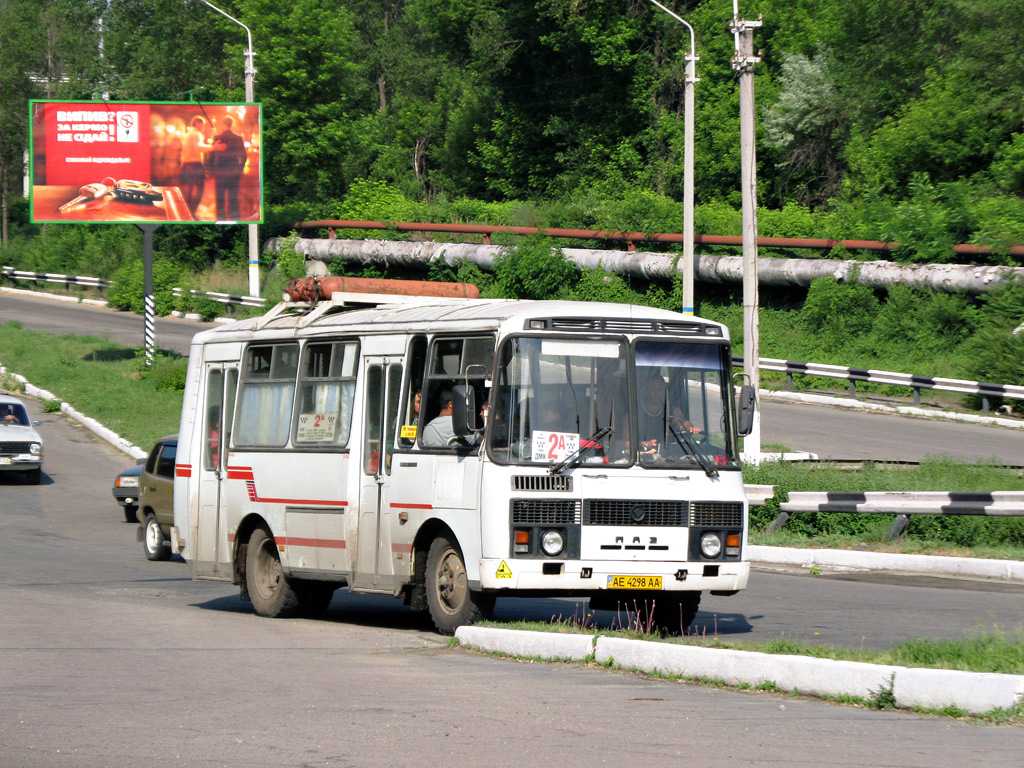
point(687, 443)
point(592, 442)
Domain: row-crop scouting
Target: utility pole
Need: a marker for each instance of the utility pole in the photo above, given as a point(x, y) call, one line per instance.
point(250, 73)
point(743, 64)
point(691, 79)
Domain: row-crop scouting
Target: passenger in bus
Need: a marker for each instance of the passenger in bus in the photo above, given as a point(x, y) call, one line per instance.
point(440, 430)
point(652, 411)
point(213, 437)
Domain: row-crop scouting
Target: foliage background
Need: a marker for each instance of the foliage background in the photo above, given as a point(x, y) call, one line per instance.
point(900, 120)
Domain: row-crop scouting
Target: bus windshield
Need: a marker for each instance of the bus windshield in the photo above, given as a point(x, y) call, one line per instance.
point(559, 402)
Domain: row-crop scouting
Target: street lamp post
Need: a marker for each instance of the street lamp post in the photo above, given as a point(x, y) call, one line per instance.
point(250, 73)
point(691, 79)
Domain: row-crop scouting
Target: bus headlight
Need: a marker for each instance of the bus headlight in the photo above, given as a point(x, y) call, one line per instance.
point(711, 545)
point(552, 542)
point(36, 449)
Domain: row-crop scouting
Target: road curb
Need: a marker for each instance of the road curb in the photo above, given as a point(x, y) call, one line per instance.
point(86, 421)
point(842, 559)
point(971, 692)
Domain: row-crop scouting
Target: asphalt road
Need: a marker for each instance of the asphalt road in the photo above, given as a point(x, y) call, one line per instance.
point(829, 432)
point(107, 659)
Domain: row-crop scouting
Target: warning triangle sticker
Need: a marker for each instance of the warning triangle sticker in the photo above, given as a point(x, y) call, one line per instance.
point(503, 572)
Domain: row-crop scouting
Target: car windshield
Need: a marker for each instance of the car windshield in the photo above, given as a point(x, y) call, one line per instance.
point(563, 402)
point(13, 414)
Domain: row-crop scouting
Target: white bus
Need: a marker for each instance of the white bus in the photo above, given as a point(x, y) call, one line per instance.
point(450, 452)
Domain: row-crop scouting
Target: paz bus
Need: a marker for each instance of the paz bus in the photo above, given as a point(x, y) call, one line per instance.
point(450, 451)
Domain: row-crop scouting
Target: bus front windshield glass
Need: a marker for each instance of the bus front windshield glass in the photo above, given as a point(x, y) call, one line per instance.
point(559, 399)
point(563, 402)
point(682, 406)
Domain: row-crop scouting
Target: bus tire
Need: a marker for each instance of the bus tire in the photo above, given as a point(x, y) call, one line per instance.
point(315, 598)
point(269, 590)
point(673, 616)
point(153, 543)
point(450, 601)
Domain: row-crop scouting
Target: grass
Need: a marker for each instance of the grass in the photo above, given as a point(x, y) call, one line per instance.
point(977, 652)
point(101, 379)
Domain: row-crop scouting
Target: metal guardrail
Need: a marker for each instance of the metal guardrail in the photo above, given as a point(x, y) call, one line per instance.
point(223, 298)
point(852, 375)
point(914, 381)
point(38, 277)
point(903, 504)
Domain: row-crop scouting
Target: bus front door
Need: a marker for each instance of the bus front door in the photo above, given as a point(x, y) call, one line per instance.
point(373, 569)
point(213, 556)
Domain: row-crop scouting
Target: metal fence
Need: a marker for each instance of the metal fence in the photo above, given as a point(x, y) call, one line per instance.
point(41, 277)
point(914, 381)
point(903, 504)
point(223, 298)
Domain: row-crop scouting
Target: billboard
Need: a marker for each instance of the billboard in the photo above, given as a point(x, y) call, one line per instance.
point(160, 162)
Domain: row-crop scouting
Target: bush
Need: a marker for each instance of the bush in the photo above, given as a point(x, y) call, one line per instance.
point(836, 313)
point(533, 270)
point(129, 286)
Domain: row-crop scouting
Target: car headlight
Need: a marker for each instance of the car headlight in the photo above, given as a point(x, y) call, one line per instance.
point(552, 543)
point(132, 481)
point(36, 448)
point(711, 545)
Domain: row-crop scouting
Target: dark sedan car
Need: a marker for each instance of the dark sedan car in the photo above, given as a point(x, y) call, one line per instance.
point(126, 492)
point(156, 498)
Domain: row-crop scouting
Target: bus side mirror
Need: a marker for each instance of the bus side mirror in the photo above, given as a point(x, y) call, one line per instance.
point(745, 408)
point(463, 410)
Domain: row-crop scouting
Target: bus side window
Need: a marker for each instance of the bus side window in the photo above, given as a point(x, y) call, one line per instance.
point(453, 361)
point(413, 403)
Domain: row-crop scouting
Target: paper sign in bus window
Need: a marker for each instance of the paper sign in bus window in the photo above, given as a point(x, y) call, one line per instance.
point(317, 427)
point(554, 446)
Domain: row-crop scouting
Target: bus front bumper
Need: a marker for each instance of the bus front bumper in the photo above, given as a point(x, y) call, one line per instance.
point(584, 577)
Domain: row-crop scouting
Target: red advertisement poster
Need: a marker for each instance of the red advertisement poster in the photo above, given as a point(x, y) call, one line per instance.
point(106, 162)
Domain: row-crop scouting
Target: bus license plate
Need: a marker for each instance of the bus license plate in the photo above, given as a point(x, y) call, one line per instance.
point(634, 582)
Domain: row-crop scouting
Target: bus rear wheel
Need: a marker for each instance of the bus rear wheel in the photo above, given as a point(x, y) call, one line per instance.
point(269, 589)
point(450, 601)
point(674, 615)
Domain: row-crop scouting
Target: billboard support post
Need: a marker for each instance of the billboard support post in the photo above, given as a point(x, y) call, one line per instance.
point(150, 302)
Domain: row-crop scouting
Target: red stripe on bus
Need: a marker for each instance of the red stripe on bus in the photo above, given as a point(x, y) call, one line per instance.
point(240, 473)
point(405, 505)
point(297, 541)
point(253, 496)
point(401, 548)
point(183, 470)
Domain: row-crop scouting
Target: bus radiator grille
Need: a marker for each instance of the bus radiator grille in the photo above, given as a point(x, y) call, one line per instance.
point(634, 512)
point(545, 511)
point(716, 514)
point(545, 483)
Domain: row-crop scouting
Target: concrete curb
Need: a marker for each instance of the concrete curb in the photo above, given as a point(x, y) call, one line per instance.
point(551, 646)
point(842, 559)
point(846, 402)
point(972, 692)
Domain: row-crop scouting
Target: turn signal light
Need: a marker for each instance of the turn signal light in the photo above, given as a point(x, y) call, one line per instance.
point(522, 542)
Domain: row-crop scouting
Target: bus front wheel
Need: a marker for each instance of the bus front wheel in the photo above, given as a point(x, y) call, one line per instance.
point(271, 593)
point(450, 601)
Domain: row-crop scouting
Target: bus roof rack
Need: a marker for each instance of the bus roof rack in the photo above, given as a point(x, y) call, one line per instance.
point(340, 301)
